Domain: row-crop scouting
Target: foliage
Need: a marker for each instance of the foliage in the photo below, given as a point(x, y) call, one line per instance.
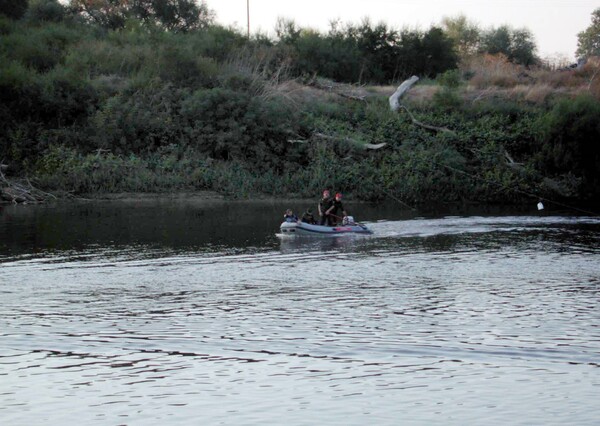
point(450, 79)
point(447, 96)
point(569, 142)
point(464, 34)
point(516, 44)
point(367, 52)
point(172, 15)
point(588, 41)
point(148, 107)
point(40, 11)
point(14, 9)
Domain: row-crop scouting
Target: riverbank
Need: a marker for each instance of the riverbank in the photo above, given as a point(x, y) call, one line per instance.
point(96, 121)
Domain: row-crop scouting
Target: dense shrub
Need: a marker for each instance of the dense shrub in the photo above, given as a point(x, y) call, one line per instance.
point(85, 108)
point(569, 142)
point(14, 9)
point(367, 52)
point(41, 11)
point(231, 125)
point(39, 48)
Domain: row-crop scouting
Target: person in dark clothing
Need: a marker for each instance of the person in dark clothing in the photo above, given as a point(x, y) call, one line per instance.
point(336, 209)
point(324, 205)
point(289, 216)
point(308, 217)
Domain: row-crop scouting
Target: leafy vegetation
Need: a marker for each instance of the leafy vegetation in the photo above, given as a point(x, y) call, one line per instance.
point(151, 95)
point(588, 41)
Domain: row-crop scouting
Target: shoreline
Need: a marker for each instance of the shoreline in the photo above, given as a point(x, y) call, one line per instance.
point(216, 197)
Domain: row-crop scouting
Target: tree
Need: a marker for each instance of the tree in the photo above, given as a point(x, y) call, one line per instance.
point(588, 43)
point(45, 11)
point(110, 14)
point(172, 15)
point(522, 47)
point(14, 9)
point(496, 40)
point(286, 30)
point(464, 34)
point(377, 45)
point(440, 56)
point(518, 45)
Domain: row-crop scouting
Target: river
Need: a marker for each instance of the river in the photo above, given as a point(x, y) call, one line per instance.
point(174, 312)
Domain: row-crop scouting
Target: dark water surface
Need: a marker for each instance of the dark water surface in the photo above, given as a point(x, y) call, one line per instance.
point(162, 312)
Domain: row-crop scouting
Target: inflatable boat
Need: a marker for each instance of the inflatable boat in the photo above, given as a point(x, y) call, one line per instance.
point(303, 228)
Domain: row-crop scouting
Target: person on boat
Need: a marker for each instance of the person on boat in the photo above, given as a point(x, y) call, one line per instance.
point(336, 208)
point(324, 204)
point(289, 216)
point(308, 217)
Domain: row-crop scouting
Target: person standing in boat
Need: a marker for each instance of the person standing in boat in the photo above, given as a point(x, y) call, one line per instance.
point(325, 204)
point(336, 208)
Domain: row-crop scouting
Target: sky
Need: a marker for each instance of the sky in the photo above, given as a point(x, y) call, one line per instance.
point(553, 23)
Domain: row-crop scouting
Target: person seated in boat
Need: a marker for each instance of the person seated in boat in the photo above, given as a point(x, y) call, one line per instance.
point(289, 216)
point(308, 217)
point(324, 205)
point(336, 209)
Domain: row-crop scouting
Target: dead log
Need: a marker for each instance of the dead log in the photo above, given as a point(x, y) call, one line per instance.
point(21, 191)
point(335, 138)
point(342, 90)
point(427, 126)
point(395, 105)
point(375, 146)
point(400, 91)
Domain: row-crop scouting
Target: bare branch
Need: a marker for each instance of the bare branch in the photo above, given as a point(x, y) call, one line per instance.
point(400, 91)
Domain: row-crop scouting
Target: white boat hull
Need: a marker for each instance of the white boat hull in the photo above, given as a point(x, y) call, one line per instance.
point(302, 228)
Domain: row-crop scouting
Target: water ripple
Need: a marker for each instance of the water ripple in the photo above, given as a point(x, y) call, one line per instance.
point(453, 320)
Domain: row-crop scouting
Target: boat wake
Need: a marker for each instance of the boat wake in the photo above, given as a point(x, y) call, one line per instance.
point(454, 225)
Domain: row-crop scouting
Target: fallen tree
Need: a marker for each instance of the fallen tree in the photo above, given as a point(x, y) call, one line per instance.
point(395, 105)
point(21, 191)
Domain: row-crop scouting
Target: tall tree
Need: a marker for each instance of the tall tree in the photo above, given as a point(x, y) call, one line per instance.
point(522, 47)
point(45, 11)
point(111, 14)
point(518, 45)
point(440, 56)
point(588, 43)
point(464, 34)
point(496, 40)
point(172, 15)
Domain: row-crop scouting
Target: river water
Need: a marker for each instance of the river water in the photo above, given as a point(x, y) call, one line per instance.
point(158, 312)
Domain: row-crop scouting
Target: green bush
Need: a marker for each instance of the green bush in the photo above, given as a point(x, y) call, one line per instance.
point(139, 121)
point(569, 142)
point(66, 97)
point(41, 11)
point(39, 48)
point(6, 25)
point(182, 67)
point(101, 57)
point(230, 125)
point(447, 99)
point(450, 79)
point(13, 9)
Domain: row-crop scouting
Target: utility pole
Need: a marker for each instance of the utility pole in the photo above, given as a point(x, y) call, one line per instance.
point(248, 15)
